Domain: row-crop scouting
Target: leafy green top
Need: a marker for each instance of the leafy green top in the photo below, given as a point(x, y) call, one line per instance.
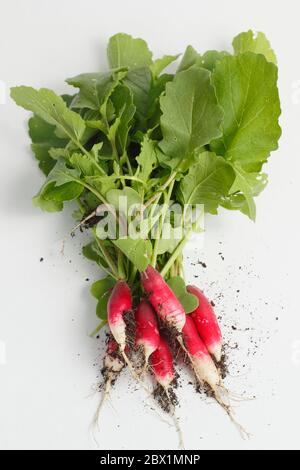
point(199, 135)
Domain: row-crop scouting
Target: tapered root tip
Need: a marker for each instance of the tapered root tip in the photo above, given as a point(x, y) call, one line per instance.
point(216, 351)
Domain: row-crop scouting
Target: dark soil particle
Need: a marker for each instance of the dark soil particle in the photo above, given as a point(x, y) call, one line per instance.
point(223, 364)
point(212, 303)
point(130, 329)
point(87, 279)
point(41, 260)
point(91, 222)
point(166, 400)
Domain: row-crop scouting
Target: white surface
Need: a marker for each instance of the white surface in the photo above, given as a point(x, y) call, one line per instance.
point(46, 310)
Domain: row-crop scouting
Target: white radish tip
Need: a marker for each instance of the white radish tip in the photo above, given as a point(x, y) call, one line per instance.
point(216, 351)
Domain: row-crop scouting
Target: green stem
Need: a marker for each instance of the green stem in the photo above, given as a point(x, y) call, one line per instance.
point(114, 149)
point(132, 275)
point(158, 194)
point(121, 271)
point(161, 223)
point(129, 164)
point(178, 250)
point(81, 147)
point(107, 257)
point(98, 328)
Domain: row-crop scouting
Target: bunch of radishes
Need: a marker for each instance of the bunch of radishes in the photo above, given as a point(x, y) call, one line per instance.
point(159, 329)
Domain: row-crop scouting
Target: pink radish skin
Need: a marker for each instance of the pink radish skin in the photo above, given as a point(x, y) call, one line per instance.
point(203, 365)
point(207, 324)
point(113, 362)
point(162, 364)
point(147, 334)
point(120, 302)
point(163, 299)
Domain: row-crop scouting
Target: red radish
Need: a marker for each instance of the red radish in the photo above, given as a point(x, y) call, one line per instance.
point(147, 334)
point(205, 369)
point(207, 323)
point(163, 299)
point(163, 369)
point(119, 303)
point(162, 364)
point(201, 360)
point(113, 361)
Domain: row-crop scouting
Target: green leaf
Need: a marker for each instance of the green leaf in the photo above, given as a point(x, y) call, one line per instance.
point(94, 89)
point(51, 108)
point(158, 87)
point(61, 174)
point(169, 239)
point(47, 205)
point(191, 116)
point(125, 51)
point(139, 82)
point(43, 139)
point(210, 58)
point(86, 164)
point(250, 185)
point(146, 159)
point(92, 253)
point(99, 288)
point(190, 57)
point(206, 182)
point(101, 309)
point(102, 183)
point(59, 152)
point(160, 64)
point(122, 100)
point(254, 42)
point(62, 184)
point(246, 88)
point(117, 198)
point(187, 300)
point(64, 192)
point(138, 251)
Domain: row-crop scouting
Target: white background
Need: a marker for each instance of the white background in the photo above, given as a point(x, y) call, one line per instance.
point(46, 311)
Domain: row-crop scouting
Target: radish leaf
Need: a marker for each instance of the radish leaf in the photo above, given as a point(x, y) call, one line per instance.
point(188, 99)
point(258, 43)
point(125, 51)
point(246, 88)
point(51, 108)
point(187, 300)
point(206, 182)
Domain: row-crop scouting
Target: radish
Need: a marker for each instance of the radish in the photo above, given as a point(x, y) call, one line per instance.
point(202, 363)
point(163, 299)
point(161, 361)
point(205, 369)
point(113, 364)
point(120, 302)
point(162, 365)
point(147, 334)
point(207, 324)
